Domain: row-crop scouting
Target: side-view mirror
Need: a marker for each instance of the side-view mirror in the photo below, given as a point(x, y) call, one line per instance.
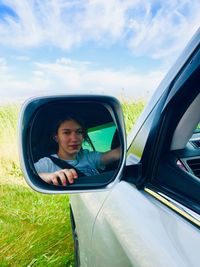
point(72, 144)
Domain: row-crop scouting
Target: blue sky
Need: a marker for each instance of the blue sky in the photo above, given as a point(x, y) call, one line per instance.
point(121, 48)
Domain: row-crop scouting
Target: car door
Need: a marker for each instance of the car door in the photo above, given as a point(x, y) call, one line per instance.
point(85, 207)
point(154, 220)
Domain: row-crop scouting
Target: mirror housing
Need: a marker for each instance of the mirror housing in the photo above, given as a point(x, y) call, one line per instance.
point(38, 112)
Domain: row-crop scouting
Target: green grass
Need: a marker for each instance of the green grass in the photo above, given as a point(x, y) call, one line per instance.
point(131, 112)
point(34, 228)
point(9, 163)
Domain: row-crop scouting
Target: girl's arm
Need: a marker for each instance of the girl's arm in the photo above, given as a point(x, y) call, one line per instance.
point(111, 156)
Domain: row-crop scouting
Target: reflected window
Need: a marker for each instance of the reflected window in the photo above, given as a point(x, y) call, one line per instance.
point(101, 137)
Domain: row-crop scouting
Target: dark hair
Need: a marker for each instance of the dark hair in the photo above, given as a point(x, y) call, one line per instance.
point(72, 117)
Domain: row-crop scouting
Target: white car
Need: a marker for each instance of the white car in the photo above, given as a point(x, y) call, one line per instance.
point(144, 210)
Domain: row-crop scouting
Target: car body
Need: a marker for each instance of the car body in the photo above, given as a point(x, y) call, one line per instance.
point(149, 213)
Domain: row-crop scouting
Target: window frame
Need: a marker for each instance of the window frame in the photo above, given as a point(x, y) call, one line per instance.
point(163, 166)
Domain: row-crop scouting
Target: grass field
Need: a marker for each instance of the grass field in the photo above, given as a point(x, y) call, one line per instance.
point(34, 228)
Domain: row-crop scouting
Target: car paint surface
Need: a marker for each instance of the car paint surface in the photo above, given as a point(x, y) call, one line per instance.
point(129, 227)
point(134, 229)
point(85, 209)
point(149, 233)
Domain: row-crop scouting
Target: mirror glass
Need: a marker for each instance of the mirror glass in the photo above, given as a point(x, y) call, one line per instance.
point(74, 143)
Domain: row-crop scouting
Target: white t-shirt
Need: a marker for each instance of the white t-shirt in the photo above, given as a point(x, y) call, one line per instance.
point(88, 162)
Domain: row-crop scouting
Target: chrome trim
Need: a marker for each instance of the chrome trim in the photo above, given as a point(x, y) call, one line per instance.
point(175, 206)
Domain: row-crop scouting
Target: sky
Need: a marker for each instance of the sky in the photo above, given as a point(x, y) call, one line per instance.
point(117, 47)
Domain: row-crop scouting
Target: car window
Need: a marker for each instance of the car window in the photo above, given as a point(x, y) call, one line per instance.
point(101, 137)
point(177, 173)
point(197, 130)
point(138, 144)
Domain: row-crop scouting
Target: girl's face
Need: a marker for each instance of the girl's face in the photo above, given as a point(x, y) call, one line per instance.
point(69, 138)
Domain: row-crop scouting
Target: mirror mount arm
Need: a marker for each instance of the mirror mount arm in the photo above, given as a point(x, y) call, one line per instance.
point(133, 174)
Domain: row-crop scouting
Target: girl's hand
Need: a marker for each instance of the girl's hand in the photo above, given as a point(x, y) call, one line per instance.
point(62, 177)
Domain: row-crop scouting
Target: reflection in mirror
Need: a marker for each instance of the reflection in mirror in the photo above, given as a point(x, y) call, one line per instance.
point(73, 141)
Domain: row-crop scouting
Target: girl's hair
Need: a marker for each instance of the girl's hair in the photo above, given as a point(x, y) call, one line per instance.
point(72, 117)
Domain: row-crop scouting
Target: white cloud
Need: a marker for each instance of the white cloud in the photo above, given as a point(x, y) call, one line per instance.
point(22, 58)
point(73, 76)
point(14, 89)
point(155, 28)
point(152, 28)
point(165, 32)
point(3, 66)
point(65, 76)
